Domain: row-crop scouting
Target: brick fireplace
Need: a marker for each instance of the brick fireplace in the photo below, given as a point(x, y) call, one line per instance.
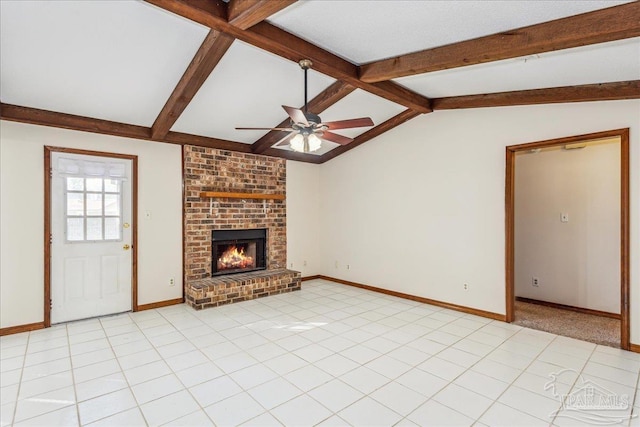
point(227, 173)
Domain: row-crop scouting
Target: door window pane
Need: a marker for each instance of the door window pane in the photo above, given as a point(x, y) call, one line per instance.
point(94, 184)
point(94, 228)
point(93, 209)
point(75, 184)
point(112, 228)
point(111, 186)
point(112, 204)
point(94, 204)
point(75, 204)
point(75, 229)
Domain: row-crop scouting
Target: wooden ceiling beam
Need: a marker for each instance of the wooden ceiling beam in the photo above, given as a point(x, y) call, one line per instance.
point(605, 25)
point(393, 122)
point(34, 116)
point(279, 42)
point(180, 138)
point(211, 51)
point(246, 13)
point(292, 155)
point(317, 105)
point(16, 113)
point(583, 93)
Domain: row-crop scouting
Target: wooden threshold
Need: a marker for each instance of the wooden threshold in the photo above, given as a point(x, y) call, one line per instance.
point(21, 328)
point(451, 306)
point(570, 308)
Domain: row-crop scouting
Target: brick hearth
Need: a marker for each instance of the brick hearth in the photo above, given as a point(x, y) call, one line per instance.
point(221, 290)
point(207, 169)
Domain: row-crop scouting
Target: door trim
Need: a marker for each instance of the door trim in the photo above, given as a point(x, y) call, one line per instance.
point(48, 150)
point(624, 220)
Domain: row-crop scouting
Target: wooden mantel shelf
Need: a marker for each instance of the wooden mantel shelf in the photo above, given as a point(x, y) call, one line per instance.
point(225, 195)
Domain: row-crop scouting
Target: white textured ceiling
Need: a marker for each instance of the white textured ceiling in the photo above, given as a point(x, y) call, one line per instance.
point(121, 59)
point(358, 104)
point(365, 31)
point(601, 63)
point(112, 60)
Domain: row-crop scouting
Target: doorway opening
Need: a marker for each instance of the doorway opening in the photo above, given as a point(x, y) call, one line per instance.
point(90, 236)
point(555, 264)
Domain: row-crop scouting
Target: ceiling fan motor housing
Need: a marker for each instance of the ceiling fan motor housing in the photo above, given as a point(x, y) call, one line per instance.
point(313, 118)
point(307, 128)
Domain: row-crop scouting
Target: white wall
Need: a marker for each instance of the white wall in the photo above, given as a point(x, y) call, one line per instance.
point(420, 209)
point(577, 262)
point(303, 217)
point(22, 218)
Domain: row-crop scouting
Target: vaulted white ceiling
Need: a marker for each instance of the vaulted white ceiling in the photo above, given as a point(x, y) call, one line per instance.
point(121, 60)
point(112, 60)
point(365, 31)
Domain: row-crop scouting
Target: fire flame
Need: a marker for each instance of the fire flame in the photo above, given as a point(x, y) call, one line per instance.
point(232, 258)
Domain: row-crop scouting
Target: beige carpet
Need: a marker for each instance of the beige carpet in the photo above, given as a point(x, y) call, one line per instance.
point(587, 327)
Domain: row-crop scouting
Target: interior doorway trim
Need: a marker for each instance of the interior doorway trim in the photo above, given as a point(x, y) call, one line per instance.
point(624, 220)
point(48, 150)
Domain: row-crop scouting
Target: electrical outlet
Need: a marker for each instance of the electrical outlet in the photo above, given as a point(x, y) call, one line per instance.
point(465, 286)
point(348, 267)
point(291, 265)
point(172, 282)
point(535, 282)
point(304, 263)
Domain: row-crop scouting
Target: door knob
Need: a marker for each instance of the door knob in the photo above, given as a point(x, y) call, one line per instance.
point(126, 247)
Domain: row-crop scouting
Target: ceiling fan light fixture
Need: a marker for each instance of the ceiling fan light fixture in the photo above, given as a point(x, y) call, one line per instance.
point(297, 143)
point(303, 143)
point(314, 142)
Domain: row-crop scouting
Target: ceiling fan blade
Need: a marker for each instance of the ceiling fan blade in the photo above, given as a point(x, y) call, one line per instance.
point(351, 123)
point(285, 129)
point(334, 137)
point(296, 115)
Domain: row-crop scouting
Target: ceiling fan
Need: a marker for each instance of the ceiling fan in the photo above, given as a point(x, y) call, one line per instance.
point(308, 130)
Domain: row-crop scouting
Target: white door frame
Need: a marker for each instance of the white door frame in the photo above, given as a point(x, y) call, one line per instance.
point(47, 222)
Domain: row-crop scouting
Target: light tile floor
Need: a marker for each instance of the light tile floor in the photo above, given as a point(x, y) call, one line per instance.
point(328, 355)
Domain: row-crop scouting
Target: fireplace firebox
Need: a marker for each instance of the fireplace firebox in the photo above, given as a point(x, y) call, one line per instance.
point(238, 251)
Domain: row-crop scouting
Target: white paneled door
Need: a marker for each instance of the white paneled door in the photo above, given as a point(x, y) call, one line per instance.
point(91, 235)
